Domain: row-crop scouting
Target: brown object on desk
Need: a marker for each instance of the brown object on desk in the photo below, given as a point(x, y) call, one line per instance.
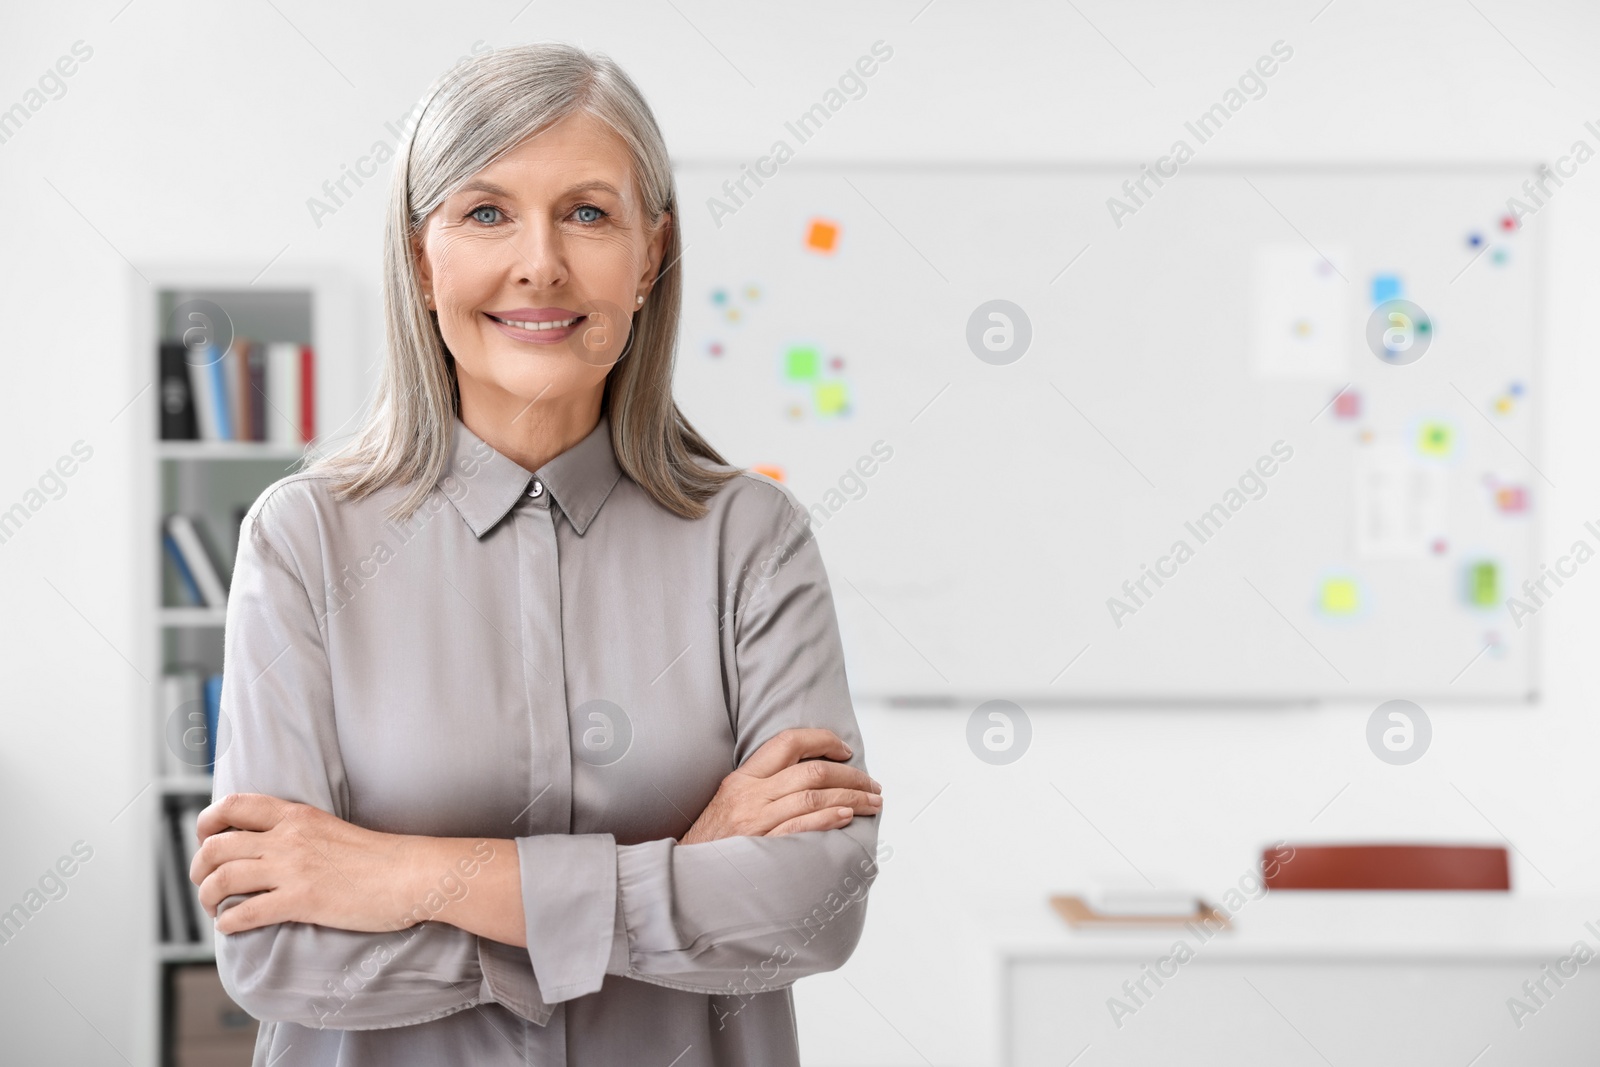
point(1386, 867)
point(1078, 913)
point(208, 1028)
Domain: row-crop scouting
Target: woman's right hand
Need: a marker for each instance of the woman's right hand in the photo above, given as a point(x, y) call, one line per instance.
point(782, 789)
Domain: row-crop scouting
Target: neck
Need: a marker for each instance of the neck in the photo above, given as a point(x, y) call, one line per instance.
point(529, 434)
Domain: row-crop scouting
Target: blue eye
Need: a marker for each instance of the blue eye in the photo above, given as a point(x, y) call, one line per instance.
point(599, 214)
point(477, 211)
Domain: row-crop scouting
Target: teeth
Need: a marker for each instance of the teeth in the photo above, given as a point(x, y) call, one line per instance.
point(558, 324)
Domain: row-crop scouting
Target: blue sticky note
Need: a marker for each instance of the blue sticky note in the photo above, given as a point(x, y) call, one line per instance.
point(1385, 287)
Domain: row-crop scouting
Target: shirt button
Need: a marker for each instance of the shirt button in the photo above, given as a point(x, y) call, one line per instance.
point(536, 489)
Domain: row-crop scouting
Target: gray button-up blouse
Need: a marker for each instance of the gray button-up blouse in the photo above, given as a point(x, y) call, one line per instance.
point(555, 659)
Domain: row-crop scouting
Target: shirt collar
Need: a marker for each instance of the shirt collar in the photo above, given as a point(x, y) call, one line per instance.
point(484, 485)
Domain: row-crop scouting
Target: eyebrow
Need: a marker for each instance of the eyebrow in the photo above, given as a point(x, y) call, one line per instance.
point(483, 186)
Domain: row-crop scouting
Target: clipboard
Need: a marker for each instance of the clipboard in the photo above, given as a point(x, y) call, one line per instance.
point(1076, 913)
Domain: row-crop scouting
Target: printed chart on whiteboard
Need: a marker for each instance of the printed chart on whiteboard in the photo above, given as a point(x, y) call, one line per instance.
point(1270, 437)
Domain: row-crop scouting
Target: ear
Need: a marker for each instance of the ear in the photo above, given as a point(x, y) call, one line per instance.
point(657, 249)
point(419, 256)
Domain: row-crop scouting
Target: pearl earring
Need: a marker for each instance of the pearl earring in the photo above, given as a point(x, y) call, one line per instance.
point(639, 300)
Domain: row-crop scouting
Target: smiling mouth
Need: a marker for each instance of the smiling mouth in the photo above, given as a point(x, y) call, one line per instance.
point(555, 324)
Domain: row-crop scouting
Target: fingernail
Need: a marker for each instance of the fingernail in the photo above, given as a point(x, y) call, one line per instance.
point(875, 784)
point(849, 753)
point(875, 800)
point(845, 813)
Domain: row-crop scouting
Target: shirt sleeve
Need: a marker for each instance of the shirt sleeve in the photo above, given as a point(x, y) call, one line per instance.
point(279, 739)
point(740, 915)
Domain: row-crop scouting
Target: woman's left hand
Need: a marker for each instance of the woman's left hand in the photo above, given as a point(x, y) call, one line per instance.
point(302, 864)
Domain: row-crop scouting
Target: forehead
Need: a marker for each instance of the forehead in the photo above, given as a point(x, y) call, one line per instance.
point(579, 148)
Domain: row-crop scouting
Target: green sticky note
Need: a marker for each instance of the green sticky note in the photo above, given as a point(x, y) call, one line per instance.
point(1436, 439)
point(802, 364)
point(1483, 584)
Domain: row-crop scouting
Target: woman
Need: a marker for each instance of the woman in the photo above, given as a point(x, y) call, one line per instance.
point(489, 672)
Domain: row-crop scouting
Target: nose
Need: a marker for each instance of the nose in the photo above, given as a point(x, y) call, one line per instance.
point(539, 259)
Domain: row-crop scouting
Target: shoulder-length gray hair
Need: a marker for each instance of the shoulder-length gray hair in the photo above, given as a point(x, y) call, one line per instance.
point(473, 114)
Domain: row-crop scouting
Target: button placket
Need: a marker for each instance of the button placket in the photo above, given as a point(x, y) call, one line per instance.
point(544, 674)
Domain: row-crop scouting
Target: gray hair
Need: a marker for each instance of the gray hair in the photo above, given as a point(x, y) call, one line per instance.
point(473, 114)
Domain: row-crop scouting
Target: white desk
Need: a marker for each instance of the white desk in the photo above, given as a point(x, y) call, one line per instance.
point(1315, 978)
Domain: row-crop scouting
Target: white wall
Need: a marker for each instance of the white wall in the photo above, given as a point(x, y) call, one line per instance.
point(197, 132)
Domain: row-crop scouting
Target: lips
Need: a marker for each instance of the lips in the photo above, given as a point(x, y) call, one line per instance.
point(548, 331)
point(539, 321)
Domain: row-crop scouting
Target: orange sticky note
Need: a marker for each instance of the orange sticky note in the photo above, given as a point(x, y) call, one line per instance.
point(822, 235)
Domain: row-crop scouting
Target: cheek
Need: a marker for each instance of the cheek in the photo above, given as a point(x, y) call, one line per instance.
point(463, 268)
point(606, 264)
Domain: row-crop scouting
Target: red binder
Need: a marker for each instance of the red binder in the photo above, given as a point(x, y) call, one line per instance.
point(1387, 867)
point(308, 406)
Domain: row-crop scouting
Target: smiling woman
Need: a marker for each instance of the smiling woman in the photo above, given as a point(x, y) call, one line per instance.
point(634, 806)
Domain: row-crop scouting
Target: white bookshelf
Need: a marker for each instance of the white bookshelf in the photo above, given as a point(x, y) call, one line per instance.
point(212, 480)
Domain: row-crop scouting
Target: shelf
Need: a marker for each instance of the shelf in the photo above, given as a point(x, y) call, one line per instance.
point(185, 785)
point(187, 953)
point(178, 618)
point(214, 482)
point(256, 450)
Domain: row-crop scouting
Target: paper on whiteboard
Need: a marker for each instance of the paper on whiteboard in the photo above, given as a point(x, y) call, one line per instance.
point(1298, 305)
point(1400, 502)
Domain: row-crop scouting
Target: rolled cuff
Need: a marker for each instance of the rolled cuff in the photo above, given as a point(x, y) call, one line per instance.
point(569, 903)
point(619, 942)
point(508, 980)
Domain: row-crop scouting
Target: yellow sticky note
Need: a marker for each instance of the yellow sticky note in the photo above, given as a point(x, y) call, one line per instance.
point(1340, 596)
point(831, 398)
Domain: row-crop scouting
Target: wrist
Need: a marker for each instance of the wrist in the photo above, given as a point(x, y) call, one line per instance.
point(417, 859)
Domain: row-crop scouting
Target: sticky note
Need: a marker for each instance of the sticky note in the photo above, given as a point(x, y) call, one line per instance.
point(1437, 439)
point(1511, 498)
point(822, 235)
point(1340, 596)
point(1483, 584)
point(801, 364)
point(831, 398)
point(1385, 287)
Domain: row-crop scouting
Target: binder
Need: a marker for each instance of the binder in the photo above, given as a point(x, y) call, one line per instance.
point(177, 926)
point(177, 403)
point(203, 568)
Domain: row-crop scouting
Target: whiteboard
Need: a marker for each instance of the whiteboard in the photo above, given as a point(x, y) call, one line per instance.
point(1201, 374)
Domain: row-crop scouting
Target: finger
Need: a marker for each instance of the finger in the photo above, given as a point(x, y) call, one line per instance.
point(831, 819)
point(237, 876)
point(263, 909)
point(790, 747)
point(808, 801)
point(240, 811)
point(220, 848)
point(819, 774)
